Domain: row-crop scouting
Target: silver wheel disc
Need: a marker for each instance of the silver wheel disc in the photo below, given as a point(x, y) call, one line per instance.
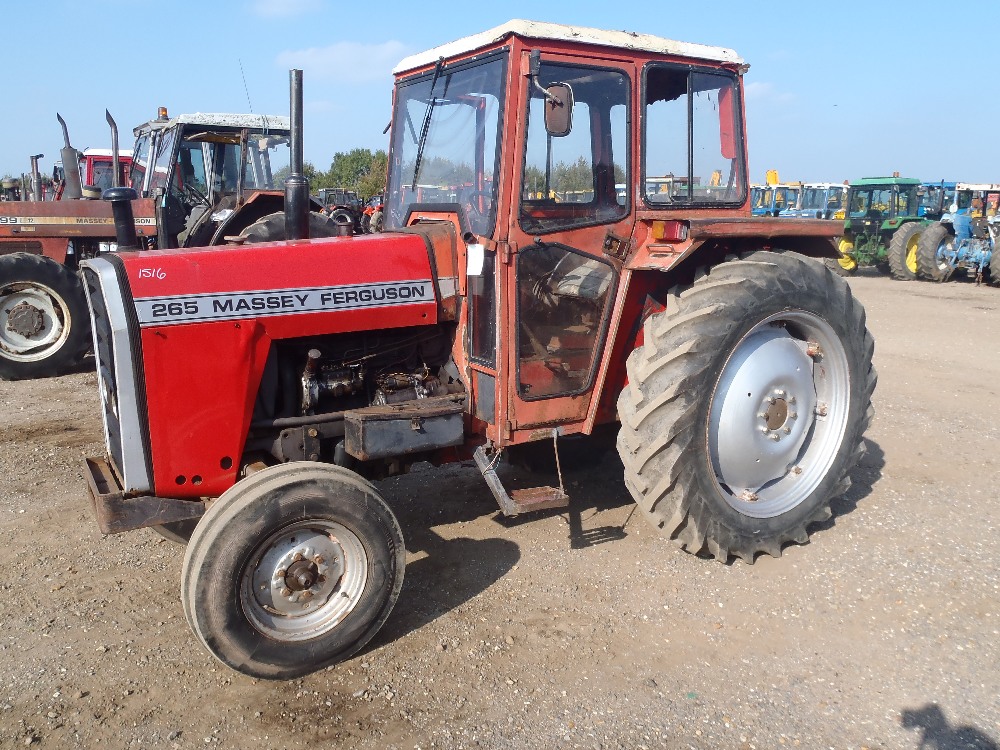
point(304, 580)
point(778, 413)
point(34, 321)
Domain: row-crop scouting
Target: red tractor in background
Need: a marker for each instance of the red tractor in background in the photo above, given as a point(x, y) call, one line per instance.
point(201, 179)
point(250, 396)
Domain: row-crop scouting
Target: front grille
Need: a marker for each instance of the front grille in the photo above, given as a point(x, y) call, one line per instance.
point(104, 351)
point(119, 371)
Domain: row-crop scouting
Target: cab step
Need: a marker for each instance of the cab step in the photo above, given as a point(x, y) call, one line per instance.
point(518, 501)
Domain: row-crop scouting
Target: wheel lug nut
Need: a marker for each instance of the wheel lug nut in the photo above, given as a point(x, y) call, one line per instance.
point(775, 436)
point(286, 591)
point(793, 415)
point(281, 573)
point(788, 430)
point(319, 560)
point(763, 415)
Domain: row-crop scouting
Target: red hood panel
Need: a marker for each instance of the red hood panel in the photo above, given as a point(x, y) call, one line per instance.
point(252, 281)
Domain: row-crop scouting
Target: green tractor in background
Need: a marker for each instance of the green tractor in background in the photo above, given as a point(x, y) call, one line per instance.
point(882, 227)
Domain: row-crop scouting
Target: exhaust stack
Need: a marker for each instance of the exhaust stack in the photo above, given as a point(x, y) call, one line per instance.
point(71, 165)
point(116, 178)
point(36, 177)
point(296, 186)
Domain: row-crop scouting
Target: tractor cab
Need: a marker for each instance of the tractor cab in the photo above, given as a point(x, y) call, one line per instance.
point(205, 167)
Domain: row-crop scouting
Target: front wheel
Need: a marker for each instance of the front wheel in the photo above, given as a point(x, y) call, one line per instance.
point(844, 264)
point(746, 405)
point(902, 253)
point(292, 569)
point(44, 325)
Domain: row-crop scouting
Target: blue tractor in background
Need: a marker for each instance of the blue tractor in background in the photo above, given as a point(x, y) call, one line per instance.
point(821, 200)
point(774, 200)
point(964, 238)
point(934, 198)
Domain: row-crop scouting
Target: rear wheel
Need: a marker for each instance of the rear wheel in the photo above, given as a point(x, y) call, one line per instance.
point(932, 264)
point(292, 569)
point(746, 405)
point(44, 325)
point(845, 265)
point(903, 251)
point(271, 228)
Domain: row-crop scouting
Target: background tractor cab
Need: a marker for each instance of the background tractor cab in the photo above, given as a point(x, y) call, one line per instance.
point(204, 169)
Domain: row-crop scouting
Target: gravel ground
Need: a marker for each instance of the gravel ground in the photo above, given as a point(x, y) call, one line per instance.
point(580, 629)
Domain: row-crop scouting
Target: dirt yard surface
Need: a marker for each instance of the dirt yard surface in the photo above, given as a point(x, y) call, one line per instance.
point(580, 629)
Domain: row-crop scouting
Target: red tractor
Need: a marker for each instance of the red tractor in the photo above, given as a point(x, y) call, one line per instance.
point(251, 396)
point(200, 179)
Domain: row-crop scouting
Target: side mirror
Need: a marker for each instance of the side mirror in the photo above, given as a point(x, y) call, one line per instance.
point(559, 109)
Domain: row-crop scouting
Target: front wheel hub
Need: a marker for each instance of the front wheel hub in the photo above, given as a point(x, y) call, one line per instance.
point(304, 579)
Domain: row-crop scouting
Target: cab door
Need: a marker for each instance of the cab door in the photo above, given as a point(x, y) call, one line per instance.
point(571, 217)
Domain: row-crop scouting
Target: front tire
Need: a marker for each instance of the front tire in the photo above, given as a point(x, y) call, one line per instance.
point(746, 405)
point(903, 251)
point(292, 569)
point(931, 263)
point(845, 265)
point(44, 325)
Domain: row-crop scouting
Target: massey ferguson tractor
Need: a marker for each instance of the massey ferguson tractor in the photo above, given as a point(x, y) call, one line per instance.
point(251, 395)
point(201, 179)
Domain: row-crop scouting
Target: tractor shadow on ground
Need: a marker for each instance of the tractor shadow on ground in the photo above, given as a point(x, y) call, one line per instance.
point(937, 734)
point(864, 477)
point(450, 570)
point(442, 573)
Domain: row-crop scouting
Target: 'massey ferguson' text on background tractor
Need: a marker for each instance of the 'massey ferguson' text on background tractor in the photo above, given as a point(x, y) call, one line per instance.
point(516, 303)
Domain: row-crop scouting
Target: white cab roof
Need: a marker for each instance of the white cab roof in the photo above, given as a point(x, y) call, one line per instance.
point(559, 32)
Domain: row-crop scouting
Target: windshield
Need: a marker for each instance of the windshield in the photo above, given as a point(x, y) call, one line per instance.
point(881, 202)
point(446, 142)
point(208, 162)
point(140, 159)
point(813, 198)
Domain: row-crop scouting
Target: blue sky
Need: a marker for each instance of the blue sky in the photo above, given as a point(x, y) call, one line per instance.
point(836, 91)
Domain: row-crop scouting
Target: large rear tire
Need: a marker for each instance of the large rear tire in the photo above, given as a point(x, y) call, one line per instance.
point(903, 251)
point(291, 569)
point(271, 228)
point(746, 405)
point(44, 325)
point(931, 262)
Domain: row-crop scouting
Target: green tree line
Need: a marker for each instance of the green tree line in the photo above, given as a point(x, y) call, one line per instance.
point(360, 170)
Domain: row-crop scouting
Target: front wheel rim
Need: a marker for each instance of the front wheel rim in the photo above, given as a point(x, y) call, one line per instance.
point(302, 581)
point(34, 322)
point(778, 414)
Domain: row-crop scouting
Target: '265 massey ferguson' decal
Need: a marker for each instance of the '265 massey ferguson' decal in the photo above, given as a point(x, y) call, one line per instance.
point(190, 308)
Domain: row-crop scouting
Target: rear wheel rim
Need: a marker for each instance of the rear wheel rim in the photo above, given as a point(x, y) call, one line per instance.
point(911, 253)
point(23, 301)
point(778, 414)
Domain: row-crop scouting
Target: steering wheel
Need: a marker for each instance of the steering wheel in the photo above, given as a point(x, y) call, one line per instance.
point(194, 194)
point(470, 199)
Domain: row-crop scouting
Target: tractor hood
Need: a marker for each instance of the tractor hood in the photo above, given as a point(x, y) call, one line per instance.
point(196, 327)
point(268, 283)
